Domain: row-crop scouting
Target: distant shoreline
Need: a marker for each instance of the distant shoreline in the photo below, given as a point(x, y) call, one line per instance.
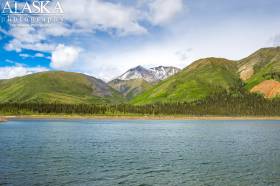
point(79, 117)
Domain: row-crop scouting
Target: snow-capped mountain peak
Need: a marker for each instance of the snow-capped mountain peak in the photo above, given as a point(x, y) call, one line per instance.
point(163, 72)
point(150, 75)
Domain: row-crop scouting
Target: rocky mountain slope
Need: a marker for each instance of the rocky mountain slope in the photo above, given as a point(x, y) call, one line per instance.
point(268, 88)
point(261, 66)
point(151, 75)
point(139, 79)
point(257, 73)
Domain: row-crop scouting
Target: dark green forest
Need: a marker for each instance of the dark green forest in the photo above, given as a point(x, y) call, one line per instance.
point(222, 104)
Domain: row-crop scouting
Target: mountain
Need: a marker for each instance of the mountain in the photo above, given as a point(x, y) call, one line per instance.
point(261, 71)
point(151, 75)
point(254, 63)
point(268, 88)
point(57, 87)
point(139, 79)
point(197, 81)
point(163, 72)
point(257, 73)
point(130, 88)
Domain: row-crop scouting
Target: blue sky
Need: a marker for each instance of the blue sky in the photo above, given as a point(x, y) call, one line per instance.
point(105, 38)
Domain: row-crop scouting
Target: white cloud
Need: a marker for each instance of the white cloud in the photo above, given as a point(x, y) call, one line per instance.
point(109, 65)
point(17, 46)
point(23, 55)
point(85, 17)
point(26, 33)
point(274, 41)
point(14, 63)
point(118, 18)
point(39, 55)
point(56, 30)
point(16, 71)
point(64, 57)
point(88, 16)
point(181, 48)
point(105, 16)
point(14, 45)
point(163, 11)
point(28, 37)
point(231, 37)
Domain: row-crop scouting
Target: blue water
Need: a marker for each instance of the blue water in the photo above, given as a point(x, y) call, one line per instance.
point(140, 153)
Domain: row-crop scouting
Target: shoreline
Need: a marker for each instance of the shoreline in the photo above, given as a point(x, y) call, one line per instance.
point(120, 117)
point(3, 119)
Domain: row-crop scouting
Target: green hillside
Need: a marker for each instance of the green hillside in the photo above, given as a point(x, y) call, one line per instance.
point(130, 88)
point(57, 87)
point(199, 80)
point(262, 65)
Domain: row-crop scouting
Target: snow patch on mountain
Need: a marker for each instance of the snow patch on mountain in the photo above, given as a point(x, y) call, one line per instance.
point(150, 75)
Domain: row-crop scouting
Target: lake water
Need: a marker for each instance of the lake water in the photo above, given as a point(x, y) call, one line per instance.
point(140, 153)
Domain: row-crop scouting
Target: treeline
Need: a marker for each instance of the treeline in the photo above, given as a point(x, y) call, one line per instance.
point(224, 104)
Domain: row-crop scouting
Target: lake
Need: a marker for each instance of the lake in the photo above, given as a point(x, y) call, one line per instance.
point(90, 152)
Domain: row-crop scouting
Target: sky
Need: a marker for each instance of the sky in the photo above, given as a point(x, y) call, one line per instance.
point(104, 38)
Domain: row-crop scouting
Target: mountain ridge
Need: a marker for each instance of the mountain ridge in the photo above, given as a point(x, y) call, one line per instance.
point(139, 79)
point(249, 73)
point(130, 88)
point(259, 66)
point(259, 73)
point(197, 81)
point(57, 87)
point(151, 75)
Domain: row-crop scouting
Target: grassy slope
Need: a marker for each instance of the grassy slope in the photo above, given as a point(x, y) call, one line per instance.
point(202, 78)
point(50, 87)
point(130, 88)
point(266, 65)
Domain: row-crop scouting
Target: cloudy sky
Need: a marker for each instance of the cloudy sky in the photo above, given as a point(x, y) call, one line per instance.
point(104, 38)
